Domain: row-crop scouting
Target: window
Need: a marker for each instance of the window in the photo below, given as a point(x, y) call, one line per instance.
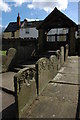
point(51, 38)
point(61, 38)
point(13, 34)
point(27, 31)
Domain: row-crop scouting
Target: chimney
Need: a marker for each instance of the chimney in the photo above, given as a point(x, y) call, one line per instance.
point(18, 21)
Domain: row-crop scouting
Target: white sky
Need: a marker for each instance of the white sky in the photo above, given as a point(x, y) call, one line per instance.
point(44, 4)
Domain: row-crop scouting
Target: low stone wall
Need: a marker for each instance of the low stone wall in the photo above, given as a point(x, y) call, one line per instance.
point(25, 48)
point(30, 82)
point(24, 53)
point(25, 89)
point(18, 42)
point(16, 56)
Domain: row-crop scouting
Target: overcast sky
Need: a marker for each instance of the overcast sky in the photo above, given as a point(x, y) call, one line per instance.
point(36, 9)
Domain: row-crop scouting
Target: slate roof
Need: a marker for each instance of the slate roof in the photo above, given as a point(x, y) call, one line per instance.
point(34, 23)
point(12, 27)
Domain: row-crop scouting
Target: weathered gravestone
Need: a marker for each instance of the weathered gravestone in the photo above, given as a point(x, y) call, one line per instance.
point(25, 90)
point(43, 75)
point(7, 62)
point(66, 53)
point(53, 66)
point(62, 55)
point(4, 59)
point(58, 55)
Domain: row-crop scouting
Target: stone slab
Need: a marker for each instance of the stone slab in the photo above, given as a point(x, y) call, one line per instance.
point(69, 79)
point(7, 80)
point(32, 65)
point(51, 107)
point(62, 92)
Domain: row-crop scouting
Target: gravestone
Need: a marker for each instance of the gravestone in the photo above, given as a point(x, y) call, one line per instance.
point(66, 53)
point(43, 75)
point(53, 66)
point(8, 60)
point(25, 90)
point(58, 54)
point(10, 56)
point(62, 55)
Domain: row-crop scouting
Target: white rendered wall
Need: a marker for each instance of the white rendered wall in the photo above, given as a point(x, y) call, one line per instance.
point(33, 32)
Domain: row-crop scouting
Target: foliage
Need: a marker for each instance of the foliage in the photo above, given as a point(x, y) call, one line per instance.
point(3, 53)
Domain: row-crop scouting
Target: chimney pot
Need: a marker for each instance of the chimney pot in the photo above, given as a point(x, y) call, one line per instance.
point(18, 21)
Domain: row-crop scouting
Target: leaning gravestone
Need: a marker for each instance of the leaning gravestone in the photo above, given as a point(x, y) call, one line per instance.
point(10, 57)
point(8, 62)
point(43, 75)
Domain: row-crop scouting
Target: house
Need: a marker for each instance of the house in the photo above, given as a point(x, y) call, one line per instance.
point(12, 30)
point(28, 29)
point(21, 29)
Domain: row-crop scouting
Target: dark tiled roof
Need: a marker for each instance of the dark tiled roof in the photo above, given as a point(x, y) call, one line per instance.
point(35, 23)
point(31, 24)
point(56, 19)
point(12, 27)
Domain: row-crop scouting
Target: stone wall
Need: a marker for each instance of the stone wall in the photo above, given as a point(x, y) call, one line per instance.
point(30, 82)
point(25, 48)
point(17, 42)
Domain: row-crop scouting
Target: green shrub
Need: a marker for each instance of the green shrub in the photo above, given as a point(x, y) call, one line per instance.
point(3, 52)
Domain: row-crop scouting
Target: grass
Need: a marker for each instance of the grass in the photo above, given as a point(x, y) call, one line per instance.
point(3, 53)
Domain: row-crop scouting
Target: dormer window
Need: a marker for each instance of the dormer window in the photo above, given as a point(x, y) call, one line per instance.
point(13, 34)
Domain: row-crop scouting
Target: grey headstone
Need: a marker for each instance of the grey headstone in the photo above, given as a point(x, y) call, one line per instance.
point(11, 54)
point(43, 75)
point(25, 90)
point(66, 53)
point(53, 66)
point(58, 59)
point(62, 55)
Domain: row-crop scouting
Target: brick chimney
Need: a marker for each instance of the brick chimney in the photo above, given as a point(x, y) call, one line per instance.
point(18, 21)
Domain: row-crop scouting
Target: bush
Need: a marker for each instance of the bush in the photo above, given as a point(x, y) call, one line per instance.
point(3, 53)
